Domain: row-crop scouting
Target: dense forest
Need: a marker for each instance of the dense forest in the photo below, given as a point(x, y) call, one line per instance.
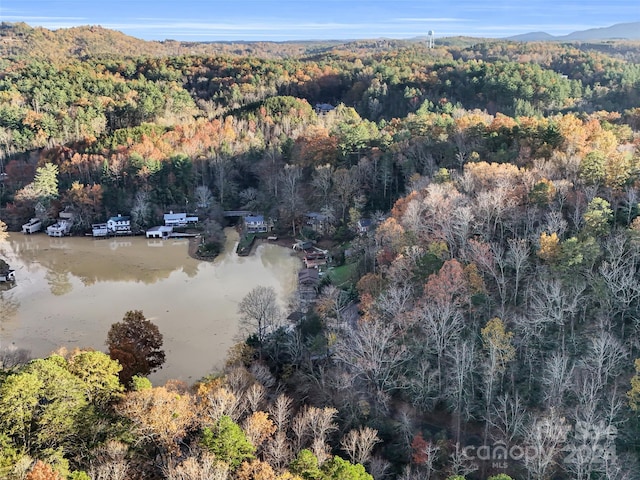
point(497, 294)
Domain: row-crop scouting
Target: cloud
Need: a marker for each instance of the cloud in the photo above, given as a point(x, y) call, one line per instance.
point(28, 19)
point(245, 27)
point(272, 31)
point(523, 28)
point(431, 20)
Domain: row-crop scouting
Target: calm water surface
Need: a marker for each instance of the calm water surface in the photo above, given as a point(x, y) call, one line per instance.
point(70, 290)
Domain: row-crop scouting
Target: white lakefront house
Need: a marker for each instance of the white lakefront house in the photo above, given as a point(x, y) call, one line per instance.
point(171, 221)
point(119, 225)
point(255, 224)
point(62, 226)
point(178, 220)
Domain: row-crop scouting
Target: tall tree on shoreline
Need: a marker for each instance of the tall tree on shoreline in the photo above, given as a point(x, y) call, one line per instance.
point(136, 343)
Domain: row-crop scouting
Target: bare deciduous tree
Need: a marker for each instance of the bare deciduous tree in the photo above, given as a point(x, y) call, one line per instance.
point(509, 418)
point(331, 302)
point(619, 275)
point(345, 186)
point(202, 467)
point(254, 396)
point(321, 421)
point(395, 300)
point(554, 303)
point(441, 323)
point(460, 463)
point(259, 312)
point(460, 388)
point(424, 385)
point(203, 196)
point(312, 425)
point(379, 468)
point(110, 462)
point(280, 411)
point(359, 444)
point(300, 431)
point(547, 434)
point(556, 378)
point(278, 450)
point(222, 401)
point(290, 192)
point(555, 223)
point(605, 357)
point(517, 258)
point(372, 353)
point(321, 450)
point(321, 179)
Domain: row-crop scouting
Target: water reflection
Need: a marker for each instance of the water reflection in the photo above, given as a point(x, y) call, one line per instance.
point(100, 260)
point(8, 307)
point(59, 282)
point(70, 290)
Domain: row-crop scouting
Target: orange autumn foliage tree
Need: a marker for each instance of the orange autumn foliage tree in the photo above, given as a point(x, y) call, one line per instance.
point(448, 286)
point(43, 471)
point(159, 415)
point(419, 455)
point(258, 427)
point(315, 147)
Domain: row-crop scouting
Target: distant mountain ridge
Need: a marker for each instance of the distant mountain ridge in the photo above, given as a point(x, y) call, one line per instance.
point(21, 40)
point(18, 40)
point(619, 31)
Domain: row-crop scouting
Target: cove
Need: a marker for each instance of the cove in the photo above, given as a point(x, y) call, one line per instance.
point(70, 290)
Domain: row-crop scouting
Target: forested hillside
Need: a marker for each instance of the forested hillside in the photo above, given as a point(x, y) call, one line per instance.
point(497, 292)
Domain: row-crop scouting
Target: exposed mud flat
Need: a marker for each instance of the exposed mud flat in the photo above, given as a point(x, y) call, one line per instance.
point(70, 290)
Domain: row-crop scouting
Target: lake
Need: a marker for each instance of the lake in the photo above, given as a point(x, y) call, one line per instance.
point(70, 290)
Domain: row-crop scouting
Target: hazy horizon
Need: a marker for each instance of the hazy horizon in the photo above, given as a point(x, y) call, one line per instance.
point(288, 20)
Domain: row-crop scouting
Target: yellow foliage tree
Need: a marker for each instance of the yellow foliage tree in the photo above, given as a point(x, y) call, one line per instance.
point(258, 427)
point(497, 341)
point(549, 247)
point(255, 470)
point(159, 415)
point(634, 394)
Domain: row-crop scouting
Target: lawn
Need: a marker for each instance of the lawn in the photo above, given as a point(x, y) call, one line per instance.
point(245, 243)
point(343, 274)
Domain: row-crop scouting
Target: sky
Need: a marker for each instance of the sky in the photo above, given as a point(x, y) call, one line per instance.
point(284, 20)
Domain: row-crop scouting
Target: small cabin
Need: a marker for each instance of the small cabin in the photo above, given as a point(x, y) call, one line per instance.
point(323, 108)
point(161, 231)
point(32, 226)
point(318, 222)
point(7, 276)
point(100, 230)
point(315, 258)
point(308, 280)
point(364, 225)
point(301, 245)
point(119, 225)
